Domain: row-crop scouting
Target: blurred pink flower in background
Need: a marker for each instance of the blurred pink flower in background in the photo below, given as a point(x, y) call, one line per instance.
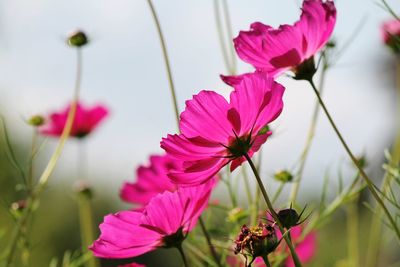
point(277, 50)
point(215, 132)
point(85, 121)
point(133, 264)
point(164, 222)
point(391, 34)
point(151, 180)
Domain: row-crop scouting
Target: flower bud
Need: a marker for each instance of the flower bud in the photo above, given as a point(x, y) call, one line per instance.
point(288, 217)
point(18, 205)
point(36, 120)
point(82, 187)
point(283, 176)
point(77, 38)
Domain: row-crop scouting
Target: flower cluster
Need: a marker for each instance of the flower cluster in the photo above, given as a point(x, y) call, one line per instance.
point(174, 189)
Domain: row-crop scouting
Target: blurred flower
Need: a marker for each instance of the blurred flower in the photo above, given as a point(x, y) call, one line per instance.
point(85, 121)
point(164, 222)
point(391, 34)
point(215, 132)
point(133, 264)
point(275, 51)
point(77, 38)
point(151, 180)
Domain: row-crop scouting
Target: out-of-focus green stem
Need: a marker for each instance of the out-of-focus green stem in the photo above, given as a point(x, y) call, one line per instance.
point(266, 261)
point(86, 225)
point(166, 60)
point(376, 225)
point(310, 137)
point(185, 262)
point(356, 163)
point(44, 178)
point(295, 257)
point(352, 231)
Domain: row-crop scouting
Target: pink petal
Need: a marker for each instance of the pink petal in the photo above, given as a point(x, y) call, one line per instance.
point(206, 116)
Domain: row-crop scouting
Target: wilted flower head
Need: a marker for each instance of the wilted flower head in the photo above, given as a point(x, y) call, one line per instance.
point(215, 132)
point(277, 50)
point(391, 34)
point(164, 222)
point(151, 180)
point(256, 241)
point(85, 121)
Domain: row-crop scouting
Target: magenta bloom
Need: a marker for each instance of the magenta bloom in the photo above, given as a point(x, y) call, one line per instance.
point(164, 222)
point(133, 264)
point(86, 120)
point(277, 50)
point(215, 132)
point(151, 180)
point(391, 34)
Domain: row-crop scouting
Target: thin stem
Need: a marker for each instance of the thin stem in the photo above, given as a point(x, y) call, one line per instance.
point(228, 26)
point(352, 230)
point(247, 186)
point(272, 211)
point(221, 38)
point(185, 263)
point(166, 60)
point(86, 225)
point(356, 163)
point(31, 160)
point(278, 192)
point(210, 245)
point(266, 261)
point(309, 140)
point(376, 225)
point(44, 178)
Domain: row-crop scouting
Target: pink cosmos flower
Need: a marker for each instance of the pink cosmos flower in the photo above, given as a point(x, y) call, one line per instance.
point(151, 180)
point(277, 50)
point(133, 264)
point(391, 34)
point(164, 222)
point(86, 120)
point(215, 132)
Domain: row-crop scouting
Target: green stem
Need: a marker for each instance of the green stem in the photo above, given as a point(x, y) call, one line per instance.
point(352, 230)
point(247, 186)
point(278, 192)
point(221, 38)
point(31, 160)
point(376, 225)
point(356, 163)
point(272, 211)
point(44, 178)
point(309, 140)
point(209, 243)
point(266, 261)
point(86, 225)
point(185, 263)
point(166, 60)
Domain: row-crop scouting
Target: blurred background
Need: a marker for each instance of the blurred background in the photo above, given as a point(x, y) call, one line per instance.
point(123, 69)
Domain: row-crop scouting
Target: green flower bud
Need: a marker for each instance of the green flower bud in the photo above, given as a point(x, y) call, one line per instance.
point(77, 39)
point(283, 176)
point(36, 120)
